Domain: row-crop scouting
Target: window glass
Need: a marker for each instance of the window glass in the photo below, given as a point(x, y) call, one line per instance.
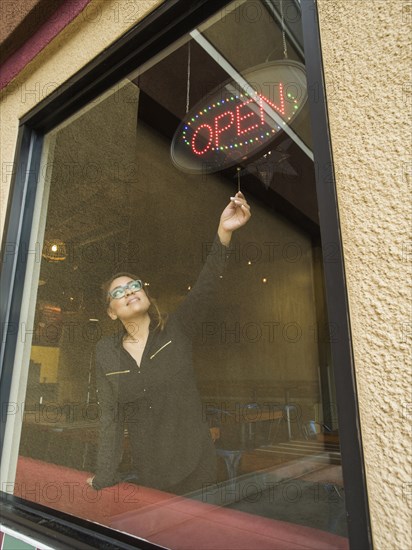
point(200, 399)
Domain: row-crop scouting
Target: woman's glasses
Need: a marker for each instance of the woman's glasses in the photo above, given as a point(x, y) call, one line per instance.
point(120, 291)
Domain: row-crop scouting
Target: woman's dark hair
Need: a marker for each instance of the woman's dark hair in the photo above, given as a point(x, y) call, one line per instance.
point(154, 311)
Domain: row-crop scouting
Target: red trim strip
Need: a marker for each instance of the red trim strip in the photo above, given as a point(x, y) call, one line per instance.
point(43, 36)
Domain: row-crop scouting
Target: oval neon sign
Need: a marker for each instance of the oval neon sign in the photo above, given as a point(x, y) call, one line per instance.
point(228, 127)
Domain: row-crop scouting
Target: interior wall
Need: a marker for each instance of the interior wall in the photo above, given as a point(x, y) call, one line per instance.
point(367, 54)
point(48, 358)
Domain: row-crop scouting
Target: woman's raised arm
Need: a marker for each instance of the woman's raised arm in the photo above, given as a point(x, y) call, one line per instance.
point(192, 311)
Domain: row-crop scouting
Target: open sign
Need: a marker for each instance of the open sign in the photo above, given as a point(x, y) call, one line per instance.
point(229, 126)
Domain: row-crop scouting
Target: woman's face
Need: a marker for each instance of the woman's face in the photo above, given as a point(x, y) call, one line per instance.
point(133, 304)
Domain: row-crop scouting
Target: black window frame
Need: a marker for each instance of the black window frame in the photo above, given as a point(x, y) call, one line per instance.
point(156, 31)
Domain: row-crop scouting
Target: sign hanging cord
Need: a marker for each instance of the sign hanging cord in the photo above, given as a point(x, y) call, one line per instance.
point(188, 79)
point(285, 49)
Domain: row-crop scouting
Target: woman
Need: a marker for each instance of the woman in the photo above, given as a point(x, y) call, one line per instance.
point(145, 378)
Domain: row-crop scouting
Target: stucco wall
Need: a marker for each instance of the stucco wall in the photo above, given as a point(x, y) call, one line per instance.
point(367, 56)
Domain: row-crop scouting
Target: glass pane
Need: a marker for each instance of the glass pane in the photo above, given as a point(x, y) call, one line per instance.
point(201, 398)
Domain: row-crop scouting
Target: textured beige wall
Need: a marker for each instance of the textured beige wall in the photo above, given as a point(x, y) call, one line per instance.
point(367, 56)
point(366, 53)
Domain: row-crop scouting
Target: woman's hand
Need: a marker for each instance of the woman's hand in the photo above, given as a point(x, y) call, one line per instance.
point(236, 214)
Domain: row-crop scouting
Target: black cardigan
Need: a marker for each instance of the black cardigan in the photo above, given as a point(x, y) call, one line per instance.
point(157, 400)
